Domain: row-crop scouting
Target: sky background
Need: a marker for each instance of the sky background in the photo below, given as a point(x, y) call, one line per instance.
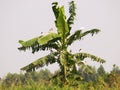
point(26, 19)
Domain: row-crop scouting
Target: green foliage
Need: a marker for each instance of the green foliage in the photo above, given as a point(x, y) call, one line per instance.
point(49, 59)
point(101, 70)
point(82, 56)
point(40, 43)
point(26, 79)
point(78, 35)
point(41, 81)
point(115, 69)
point(58, 44)
point(60, 22)
point(47, 38)
point(32, 43)
point(72, 12)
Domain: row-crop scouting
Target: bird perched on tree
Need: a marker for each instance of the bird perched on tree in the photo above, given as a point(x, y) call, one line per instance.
point(51, 30)
point(70, 51)
point(80, 50)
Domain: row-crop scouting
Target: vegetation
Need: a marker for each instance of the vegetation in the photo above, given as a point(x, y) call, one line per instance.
point(40, 81)
point(58, 44)
point(73, 74)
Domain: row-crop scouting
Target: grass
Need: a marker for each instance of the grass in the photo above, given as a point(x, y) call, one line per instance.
point(40, 86)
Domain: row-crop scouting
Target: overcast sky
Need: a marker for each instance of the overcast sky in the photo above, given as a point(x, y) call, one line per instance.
point(25, 19)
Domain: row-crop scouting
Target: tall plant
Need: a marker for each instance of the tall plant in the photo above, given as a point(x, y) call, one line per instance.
point(58, 44)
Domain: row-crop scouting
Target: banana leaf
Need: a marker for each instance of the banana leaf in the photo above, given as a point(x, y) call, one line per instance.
point(49, 59)
point(81, 56)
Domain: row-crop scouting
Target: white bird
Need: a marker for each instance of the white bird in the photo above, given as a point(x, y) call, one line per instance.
point(81, 28)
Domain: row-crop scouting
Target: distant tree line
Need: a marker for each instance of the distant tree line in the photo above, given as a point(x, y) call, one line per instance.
point(93, 79)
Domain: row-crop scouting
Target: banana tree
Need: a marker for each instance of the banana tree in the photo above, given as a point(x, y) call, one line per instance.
point(58, 44)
